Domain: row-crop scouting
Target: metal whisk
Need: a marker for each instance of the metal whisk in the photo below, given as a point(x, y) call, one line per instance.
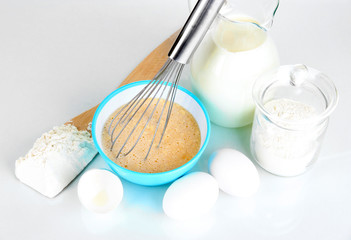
point(185, 45)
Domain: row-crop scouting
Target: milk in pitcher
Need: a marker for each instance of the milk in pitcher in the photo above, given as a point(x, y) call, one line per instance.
point(235, 52)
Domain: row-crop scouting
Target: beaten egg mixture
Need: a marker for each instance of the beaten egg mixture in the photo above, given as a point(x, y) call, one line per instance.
point(180, 142)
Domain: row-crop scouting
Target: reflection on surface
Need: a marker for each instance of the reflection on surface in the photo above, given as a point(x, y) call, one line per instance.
point(196, 228)
point(101, 223)
point(143, 197)
point(275, 210)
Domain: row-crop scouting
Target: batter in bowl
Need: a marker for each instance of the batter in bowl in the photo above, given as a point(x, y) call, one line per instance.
point(180, 143)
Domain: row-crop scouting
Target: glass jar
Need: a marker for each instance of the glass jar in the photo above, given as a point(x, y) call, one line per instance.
point(236, 50)
point(293, 105)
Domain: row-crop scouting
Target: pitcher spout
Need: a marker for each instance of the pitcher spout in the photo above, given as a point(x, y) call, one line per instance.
point(258, 12)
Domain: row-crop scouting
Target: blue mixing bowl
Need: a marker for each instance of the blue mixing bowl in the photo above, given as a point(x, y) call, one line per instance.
point(120, 97)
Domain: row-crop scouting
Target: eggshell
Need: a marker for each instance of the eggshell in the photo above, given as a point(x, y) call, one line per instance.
point(190, 196)
point(234, 172)
point(100, 190)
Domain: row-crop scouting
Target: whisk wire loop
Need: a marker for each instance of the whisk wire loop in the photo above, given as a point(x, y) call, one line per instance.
point(172, 89)
point(156, 83)
point(151, 91)
point(136, 99)
point(174, 92)
point(134, 102)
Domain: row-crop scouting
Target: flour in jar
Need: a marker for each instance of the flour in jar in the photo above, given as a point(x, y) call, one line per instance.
point(280, 150)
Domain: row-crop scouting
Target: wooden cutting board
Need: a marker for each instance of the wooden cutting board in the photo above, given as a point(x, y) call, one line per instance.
point(146, 70)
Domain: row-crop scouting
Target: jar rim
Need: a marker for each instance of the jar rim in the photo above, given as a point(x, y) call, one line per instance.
point(261, 86)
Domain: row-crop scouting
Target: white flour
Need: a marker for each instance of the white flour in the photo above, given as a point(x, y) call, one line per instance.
point(56, 158)
point(287, 109)
point(281, 151)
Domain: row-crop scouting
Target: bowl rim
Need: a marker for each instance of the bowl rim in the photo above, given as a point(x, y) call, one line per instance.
point(142, 174)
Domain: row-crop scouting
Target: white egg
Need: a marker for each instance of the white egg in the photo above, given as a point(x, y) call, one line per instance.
point(234, 172)
point(100, 190)
point(191, 196)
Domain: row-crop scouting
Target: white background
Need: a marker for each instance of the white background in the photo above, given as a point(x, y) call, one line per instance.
point(60, 58)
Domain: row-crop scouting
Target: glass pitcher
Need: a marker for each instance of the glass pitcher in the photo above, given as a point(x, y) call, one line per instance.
point(236, 50)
